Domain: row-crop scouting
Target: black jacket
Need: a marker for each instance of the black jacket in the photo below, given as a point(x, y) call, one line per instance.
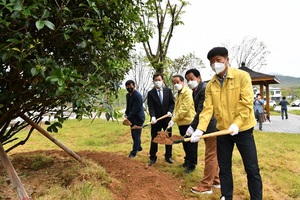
point(134, 108)
point(199, 97)
point(156, 109)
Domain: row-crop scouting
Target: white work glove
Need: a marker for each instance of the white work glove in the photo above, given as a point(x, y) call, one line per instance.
point(153, 120)
point(170, 114)
point(196, 136)
point(234, 128)
point(171, 123)
point(189, 131)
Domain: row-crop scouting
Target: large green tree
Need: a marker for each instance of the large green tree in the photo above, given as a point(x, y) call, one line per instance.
point(62, 53)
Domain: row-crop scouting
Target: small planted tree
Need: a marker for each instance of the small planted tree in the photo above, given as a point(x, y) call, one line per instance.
point(57, 55)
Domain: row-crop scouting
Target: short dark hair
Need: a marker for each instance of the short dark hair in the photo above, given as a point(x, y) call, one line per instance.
point(179, 76)
point(194, 71)
point(158, 74)
point(129, 82)
point(217, 51)
point(283, 98)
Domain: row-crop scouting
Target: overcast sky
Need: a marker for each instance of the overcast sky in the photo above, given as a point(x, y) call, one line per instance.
point(210, 23)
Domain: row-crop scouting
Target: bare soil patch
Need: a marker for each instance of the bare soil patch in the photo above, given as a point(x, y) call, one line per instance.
point(133, 179)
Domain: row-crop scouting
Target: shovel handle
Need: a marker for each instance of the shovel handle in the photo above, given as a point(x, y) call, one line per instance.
point(162, 117)
point(214, 134)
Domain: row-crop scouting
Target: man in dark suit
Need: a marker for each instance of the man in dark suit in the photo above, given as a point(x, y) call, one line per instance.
point(211, 168)
point(135, 114)
point(160, 102)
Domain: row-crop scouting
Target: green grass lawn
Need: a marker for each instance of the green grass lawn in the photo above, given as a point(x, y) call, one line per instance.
point(279, 155)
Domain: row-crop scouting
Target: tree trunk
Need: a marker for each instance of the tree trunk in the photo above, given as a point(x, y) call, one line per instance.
point(13, 176)
point(50, 137)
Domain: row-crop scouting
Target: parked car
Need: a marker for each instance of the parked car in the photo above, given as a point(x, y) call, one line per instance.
point(295, 103)
point(271, 103)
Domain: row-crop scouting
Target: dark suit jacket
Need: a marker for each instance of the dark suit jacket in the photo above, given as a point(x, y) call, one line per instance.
point(134, 108)
point(156, 109)
point(199, 97)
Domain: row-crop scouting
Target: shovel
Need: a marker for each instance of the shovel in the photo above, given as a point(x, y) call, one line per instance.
point(140, 127)
point(168, 141)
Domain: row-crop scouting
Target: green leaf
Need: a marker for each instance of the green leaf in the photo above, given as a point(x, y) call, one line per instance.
point(67, 9)
point(60, 82)
point(52, 79)
point(99, 113)
point(39, 24)
point(82, 44)
point(34, 71)
point(18, 6)
point(57, 124)
point(16, 49)
point(13, 40)
point(46, 14)
point(54, 129)
point(107, 116)
point(49, 24)
point(86, 28)
point(66, 36)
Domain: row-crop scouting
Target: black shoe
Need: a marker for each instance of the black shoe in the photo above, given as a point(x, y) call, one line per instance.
point(131, 155)
point(169, 160)
point(184, 165)
point(140, 149)
point(151, 162)
point(189, 170)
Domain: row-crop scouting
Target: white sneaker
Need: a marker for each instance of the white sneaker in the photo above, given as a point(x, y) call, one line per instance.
point(222, 198)
point(217, 186)
point(196, 190)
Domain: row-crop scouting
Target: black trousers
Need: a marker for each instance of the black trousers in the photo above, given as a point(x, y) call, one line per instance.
point(159, 126)
point(258, 117)
point(136, 138)
point(190, 149)
point(246, 146)
point(284, 113)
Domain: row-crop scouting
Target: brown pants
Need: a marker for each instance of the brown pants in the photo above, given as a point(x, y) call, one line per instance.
point(211, 167)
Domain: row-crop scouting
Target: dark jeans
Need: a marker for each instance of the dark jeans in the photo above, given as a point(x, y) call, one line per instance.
point(190, 149)
point(258, 117)
point(284, 113)
point(136, 137)
point(246, 146)
point(159, 126)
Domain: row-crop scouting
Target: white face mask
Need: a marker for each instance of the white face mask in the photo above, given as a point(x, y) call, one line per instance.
point(178, 86)
point(218, 67)
point(158, 84)
point(192, 84)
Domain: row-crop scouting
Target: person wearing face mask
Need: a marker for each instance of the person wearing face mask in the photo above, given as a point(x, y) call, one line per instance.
point(229, 97)
point(160, 102)
point(184, 113)
point(135, 114)
point(211, 170)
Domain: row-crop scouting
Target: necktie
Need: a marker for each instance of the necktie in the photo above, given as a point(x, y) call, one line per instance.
point(160, 96)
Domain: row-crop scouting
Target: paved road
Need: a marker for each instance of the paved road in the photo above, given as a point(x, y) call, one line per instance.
point(291, 125)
